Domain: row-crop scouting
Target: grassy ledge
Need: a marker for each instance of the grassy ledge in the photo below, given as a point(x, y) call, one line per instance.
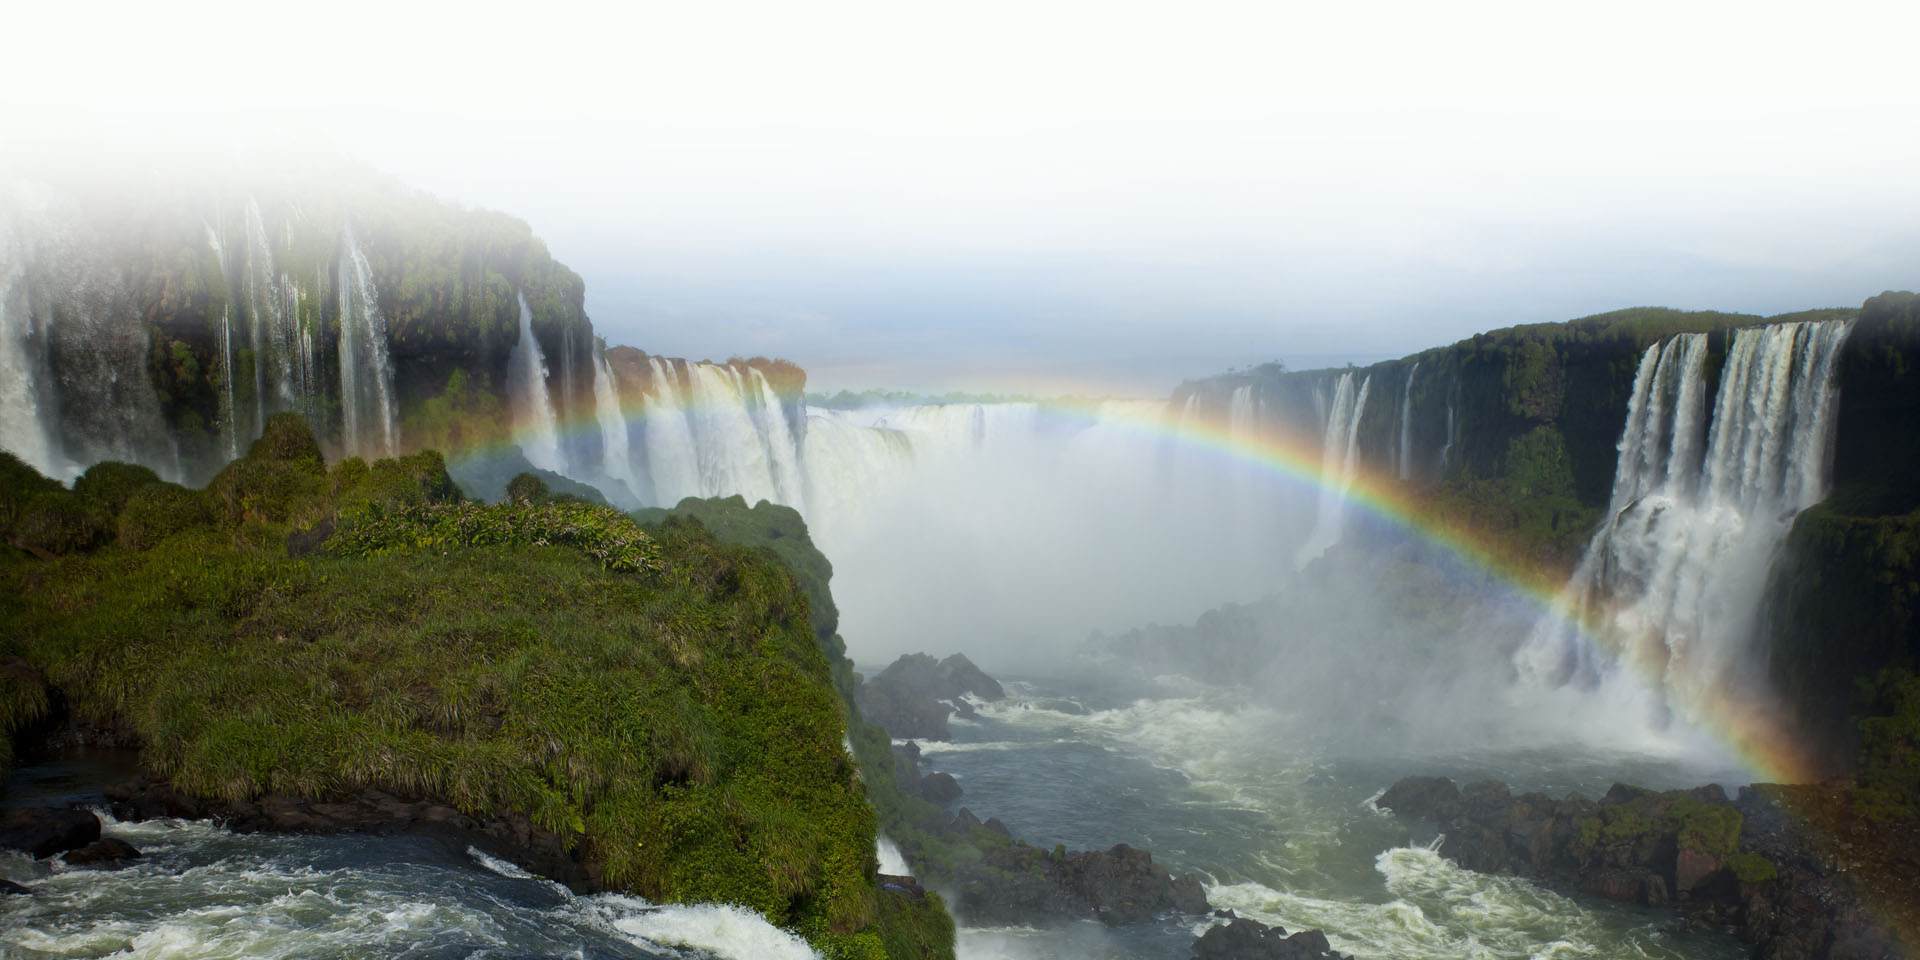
point(661, 700)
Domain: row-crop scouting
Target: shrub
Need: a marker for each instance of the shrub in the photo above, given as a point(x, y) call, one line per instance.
point(58, 522)
point(1751, 868)
point(111, 483)
point(156, 512)
point(286, 437)
point(19, 483)
point(526, 488)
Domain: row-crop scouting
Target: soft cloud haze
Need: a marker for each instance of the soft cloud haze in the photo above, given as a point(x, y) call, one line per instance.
point(1114, 196)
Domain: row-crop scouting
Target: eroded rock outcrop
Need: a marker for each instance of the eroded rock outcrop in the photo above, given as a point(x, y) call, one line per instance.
point(1800, 872)
point(915, 695)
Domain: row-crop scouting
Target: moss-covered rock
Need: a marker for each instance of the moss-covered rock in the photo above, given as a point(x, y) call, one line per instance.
point(158, 511)
point(112, 484)
point(663, 704)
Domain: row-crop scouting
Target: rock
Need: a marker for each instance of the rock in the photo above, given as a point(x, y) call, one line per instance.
point(8, 888)
point(1429, 798)
point(939, 789)
point(1624, 886)
point(103, 850)
point(1692, 869)
point(45, 831)
point(303, 542)
point(904, 885)
point(1124, 886)
point(1243, 939)
point(916, 694)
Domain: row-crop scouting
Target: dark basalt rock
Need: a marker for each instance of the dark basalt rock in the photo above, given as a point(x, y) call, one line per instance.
point(44, 831)
point(1123, 885)
point(1747, 864)
point(9, 888)
point(511, 836)
point(105, 850)
point(1244, 939)
point(939, 789)
point(915, 695)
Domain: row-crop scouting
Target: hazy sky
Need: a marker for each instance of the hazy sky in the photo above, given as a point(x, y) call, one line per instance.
point(1071, 195)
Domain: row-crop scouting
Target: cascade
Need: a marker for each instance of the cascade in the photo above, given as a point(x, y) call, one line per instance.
point(536, 429)
point(783, 450)
point(1673, 576)
point(672, 462)
point(731, 455)
point(618, 460)
point(847, 466)
point(1446, 449)
point(23, 366)
point(1339, 460)
point(229, 429)
point(272, 346)
point(366, 373)
point(1406, 424)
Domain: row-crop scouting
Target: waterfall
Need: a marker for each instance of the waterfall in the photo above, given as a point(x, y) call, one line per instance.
point(23, 367)
point(366, 373)
point(1671, 581)
point(783, 450)
point(229, 426)
point(1406, 424)
point(1339, 460)
point(732, 456)
point(672, 461)
point(535, 428)
point(849, 465)
point(272, 344)
point(1446, 449)
point(617, 459)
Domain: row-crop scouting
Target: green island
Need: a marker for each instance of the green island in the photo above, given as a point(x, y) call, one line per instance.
point(655, 695)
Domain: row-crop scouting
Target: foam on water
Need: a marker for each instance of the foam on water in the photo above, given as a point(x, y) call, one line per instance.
point(201, 891)
point(1437, 910)
point(734, 933)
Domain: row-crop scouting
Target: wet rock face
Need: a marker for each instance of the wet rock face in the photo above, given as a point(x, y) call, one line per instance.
point(1123, 885)
point(916, 694)
point(512, 837)
point(106, 851)
point(1735, 863)
point(42, 832)
point(1244, 939)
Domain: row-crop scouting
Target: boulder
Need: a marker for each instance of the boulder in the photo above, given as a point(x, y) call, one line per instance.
point(939, 789)
point(1429, 798)
point(8, 888)
point(1123, 885)
point(44, 831)
point(1243, 939)
point(105, 850)
point(916, 694)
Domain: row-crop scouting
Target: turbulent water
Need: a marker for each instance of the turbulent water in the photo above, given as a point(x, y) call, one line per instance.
point(201, 891)
point(1283, 831)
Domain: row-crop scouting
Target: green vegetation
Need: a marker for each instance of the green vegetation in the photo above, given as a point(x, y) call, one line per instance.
point(1711, 828)
point(1890, 738)
point(1751, 868)
point(658, 700)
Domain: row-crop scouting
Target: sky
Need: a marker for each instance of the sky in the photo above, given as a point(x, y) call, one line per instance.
point(1068, 197)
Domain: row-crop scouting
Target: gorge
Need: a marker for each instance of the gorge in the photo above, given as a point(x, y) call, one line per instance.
point(1615, 548)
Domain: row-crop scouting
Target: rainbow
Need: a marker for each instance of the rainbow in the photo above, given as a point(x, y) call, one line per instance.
point(1754, 729)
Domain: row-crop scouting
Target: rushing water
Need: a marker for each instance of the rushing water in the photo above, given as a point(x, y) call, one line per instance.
point(1280, 830)
point(200, 891)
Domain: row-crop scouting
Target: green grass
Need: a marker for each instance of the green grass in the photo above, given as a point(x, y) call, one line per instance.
point(659, 700)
